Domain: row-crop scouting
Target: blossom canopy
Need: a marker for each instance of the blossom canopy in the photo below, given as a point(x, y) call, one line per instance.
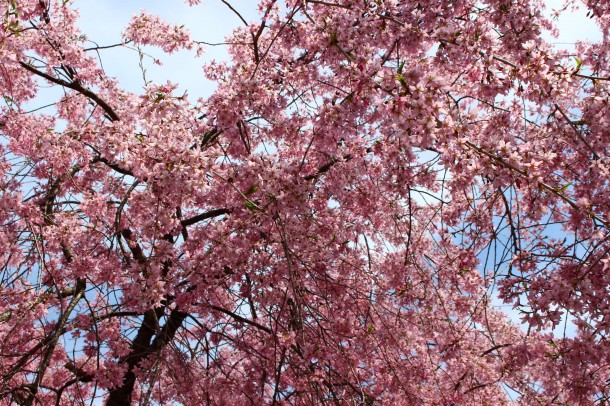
point(336, 223)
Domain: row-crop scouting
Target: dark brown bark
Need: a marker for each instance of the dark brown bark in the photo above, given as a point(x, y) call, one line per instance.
point(142, 347)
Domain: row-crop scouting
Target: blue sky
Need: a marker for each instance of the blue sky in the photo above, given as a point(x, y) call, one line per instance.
point(211, 21)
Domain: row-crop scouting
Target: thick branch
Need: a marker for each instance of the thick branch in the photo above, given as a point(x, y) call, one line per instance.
point(140, 348)
point(204, 216)
point(74, 86)
point(168, 331)
point(113, 166)
point(135, 248)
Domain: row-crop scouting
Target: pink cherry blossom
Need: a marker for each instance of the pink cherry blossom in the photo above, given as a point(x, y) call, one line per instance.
point(344, 220)
point(148, 29)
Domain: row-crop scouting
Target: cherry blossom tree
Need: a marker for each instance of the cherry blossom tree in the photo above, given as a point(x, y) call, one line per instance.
point(333, 225)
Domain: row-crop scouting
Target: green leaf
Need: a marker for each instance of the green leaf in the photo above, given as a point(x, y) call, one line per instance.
point(402, 81)
point(400, 67)
point(251, 189)
point(250, 206)
point(563, 188)
point(578, 64)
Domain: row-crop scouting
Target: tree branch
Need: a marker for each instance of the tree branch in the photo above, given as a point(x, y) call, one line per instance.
point(204, 216)
point(74, 86)
point(242, 319)
point(59, 329)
